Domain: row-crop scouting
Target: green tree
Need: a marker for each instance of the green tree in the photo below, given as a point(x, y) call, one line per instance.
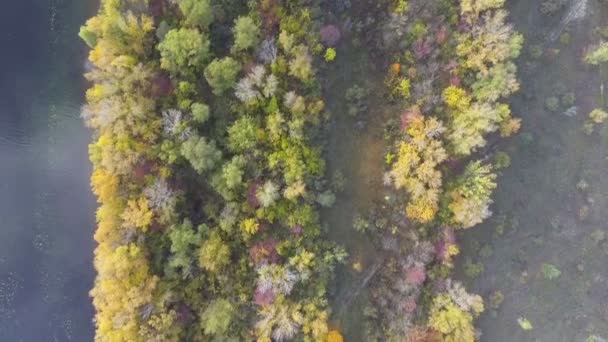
point(242, 134)
point(196, 12)
point(217, 317)
point(468, 127)
point(471, 196)
point(184, 239)
point(183, 51)
point(300, 66)
point(201, 154)
point(214, 254)
point(490, 42)
point(233, 172)
point(200, 112)
point(88, 36)
point(500, 81)
point(246, 34)
point(221, 74)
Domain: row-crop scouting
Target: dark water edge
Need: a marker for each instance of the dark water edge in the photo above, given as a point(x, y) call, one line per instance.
point(46, 208)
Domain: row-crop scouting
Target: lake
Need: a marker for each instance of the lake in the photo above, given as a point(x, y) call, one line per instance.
point(46, 207)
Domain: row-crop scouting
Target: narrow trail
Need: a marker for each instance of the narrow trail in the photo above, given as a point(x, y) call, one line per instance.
point(576, 11)
point(353, 292)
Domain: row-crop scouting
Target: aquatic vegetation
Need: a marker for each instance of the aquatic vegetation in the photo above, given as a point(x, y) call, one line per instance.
point(550, 271)
point(496, 299)
point(524, 323)
point(330, 54)
point(552, 103)
point(356, 99)
point(568, 99)
point(472, 269)
point(502, 160)
point(551, 7)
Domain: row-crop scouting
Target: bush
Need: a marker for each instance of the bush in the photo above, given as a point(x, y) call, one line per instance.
point(568, 99)
point(552, 103)
point(330, 54)
point(598, 55)
point(502, 160)
point(598, 116)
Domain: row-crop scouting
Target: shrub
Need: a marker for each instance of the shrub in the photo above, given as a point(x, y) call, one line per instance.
point(568, 99)
point(330, 54)
point(552, 103)
point(598, 115)
point(597, 55)
point(330, 35)
point(502, 160)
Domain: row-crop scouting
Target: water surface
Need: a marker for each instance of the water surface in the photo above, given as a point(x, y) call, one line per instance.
point(46, 208)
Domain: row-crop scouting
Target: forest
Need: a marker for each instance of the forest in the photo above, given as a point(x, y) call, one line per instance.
point(210, 131)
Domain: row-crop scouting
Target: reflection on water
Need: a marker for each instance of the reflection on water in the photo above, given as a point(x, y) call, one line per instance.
point(46, 209)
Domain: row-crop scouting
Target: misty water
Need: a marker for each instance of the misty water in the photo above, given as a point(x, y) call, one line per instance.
point(46, 207)
point(550, 207)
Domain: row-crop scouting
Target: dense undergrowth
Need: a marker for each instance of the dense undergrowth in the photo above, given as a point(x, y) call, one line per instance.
point(208, 123)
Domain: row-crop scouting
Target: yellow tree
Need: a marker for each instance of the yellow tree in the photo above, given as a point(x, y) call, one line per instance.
point(415, 169)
